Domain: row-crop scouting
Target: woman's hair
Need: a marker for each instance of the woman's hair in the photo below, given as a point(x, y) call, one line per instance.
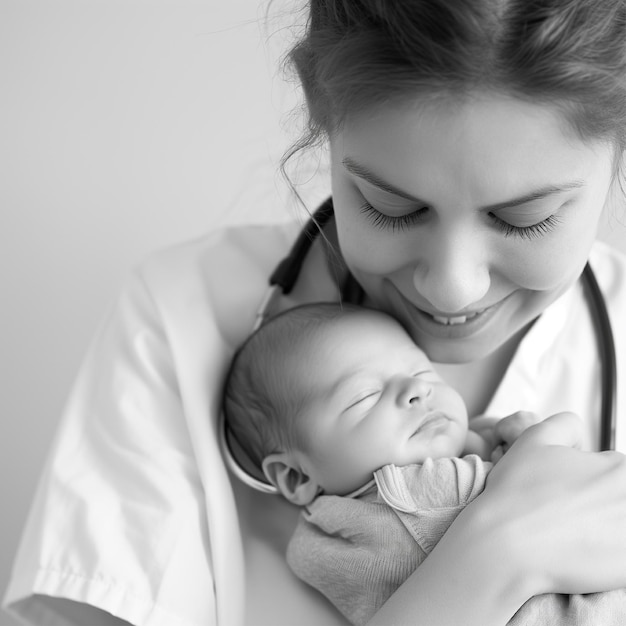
point(261, 404)
point(356, 54)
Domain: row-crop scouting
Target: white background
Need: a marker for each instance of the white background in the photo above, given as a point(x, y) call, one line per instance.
point(125, 125)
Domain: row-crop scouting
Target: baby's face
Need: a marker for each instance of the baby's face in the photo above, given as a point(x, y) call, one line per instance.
point(373, 398)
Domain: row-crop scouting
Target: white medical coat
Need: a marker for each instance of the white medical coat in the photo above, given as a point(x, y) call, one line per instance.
point(135, 513)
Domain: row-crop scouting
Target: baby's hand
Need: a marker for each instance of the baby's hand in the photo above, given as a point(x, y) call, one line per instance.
point(480, 436)
point(560, 429)
point(508, 429)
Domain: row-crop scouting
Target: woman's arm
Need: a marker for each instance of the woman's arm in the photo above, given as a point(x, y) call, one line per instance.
point(467, 579)
point(551, 519)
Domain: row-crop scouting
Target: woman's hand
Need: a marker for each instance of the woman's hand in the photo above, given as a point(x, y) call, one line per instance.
point(551, 519)
point(564, 511)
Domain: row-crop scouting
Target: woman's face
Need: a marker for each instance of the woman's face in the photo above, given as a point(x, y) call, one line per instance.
point(465, 222)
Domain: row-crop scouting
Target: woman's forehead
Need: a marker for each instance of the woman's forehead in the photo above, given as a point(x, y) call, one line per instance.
point(481, 124)
point(487, 149)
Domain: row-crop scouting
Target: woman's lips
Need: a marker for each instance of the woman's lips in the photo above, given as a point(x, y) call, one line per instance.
point(454, 319)
point(451, 328)
point(442, 326)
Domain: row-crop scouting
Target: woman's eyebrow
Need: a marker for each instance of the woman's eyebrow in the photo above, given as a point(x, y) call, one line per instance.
point(539, 194)
point(362, 172)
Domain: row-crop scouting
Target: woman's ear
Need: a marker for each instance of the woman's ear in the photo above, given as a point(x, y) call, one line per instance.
point(287, 476)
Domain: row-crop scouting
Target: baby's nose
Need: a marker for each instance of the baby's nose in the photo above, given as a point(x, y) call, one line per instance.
point(417, 390)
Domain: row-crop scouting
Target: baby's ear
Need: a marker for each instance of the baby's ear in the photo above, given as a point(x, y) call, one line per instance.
point(285, 474)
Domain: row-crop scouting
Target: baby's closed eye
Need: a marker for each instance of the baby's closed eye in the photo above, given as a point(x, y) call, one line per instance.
point(364, 399)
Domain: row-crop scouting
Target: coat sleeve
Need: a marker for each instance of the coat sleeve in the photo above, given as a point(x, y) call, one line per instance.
point(118, 522)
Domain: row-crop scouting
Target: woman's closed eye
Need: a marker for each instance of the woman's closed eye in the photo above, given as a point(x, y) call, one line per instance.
point(531, 231)
point(414, 218)
point(394, 222)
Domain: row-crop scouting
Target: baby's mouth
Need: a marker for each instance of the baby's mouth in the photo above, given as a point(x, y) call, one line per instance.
point(435, 419)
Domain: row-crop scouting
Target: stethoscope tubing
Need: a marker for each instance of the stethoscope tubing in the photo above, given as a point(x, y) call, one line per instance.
point(608, 359)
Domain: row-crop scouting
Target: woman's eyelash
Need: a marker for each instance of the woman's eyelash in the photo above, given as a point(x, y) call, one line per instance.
point(526, 232)
point(403, 222)
point(400, 222)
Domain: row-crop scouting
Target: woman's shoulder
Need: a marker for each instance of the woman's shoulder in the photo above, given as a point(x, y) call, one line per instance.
point(221, 276)
point(220, 259)
point(223, 250)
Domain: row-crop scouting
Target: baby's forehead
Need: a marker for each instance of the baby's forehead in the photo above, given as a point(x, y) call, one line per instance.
point(369, 324)
point(341, 355)
point(363, 337)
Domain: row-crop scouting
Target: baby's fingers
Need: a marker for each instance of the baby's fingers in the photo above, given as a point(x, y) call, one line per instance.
point(509, 428)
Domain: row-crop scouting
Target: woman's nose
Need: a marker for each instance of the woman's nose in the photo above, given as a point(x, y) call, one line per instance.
point(453, 272)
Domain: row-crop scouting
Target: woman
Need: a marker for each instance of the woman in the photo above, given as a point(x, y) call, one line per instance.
point(474, 148)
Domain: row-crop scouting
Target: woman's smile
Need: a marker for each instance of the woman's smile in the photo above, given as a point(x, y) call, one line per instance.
point(455, 319)
point(437, 325)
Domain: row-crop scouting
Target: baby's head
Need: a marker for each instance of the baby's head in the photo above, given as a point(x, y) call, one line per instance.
point(325, 394)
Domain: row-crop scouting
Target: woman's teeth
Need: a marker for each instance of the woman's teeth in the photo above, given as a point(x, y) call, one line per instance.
point(451, 321)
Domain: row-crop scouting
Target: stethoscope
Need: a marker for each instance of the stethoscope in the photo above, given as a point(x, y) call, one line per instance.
point(283, 279)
